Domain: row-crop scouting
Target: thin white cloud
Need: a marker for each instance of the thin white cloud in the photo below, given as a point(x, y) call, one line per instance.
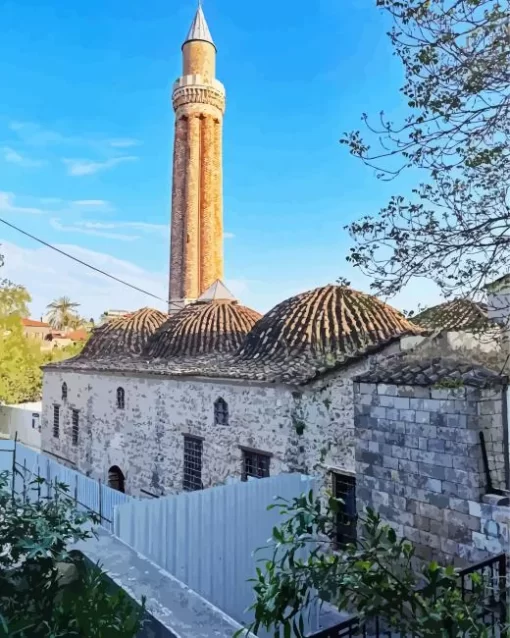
point(48, 275)
point(228, 235)
point(7, 205)
point(143, 226)
point(57, 225)
point(80, 167)
point(35, 135)
point(13, 157)
point(92, 203)
point(124, 142)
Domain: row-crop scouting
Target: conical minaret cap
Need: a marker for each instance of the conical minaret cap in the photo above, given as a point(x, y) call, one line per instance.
point(199, 29)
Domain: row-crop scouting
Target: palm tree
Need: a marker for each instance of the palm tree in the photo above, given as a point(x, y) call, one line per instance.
point(62, 313)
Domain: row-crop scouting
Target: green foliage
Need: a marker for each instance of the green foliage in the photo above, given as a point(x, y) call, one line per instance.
point(21, 357)
point(456, 138)
point(373, 578)
point(36, 600)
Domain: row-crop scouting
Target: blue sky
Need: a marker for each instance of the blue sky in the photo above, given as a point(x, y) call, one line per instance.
point(86, 140)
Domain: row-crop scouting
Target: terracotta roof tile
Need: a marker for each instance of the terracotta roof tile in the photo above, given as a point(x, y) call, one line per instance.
point(300, 339)
point(123, 336)
point(202, 328)
point(332, 322)
point(408, 369)
point(456, 315)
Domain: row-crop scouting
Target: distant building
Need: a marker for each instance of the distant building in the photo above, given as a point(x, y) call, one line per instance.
point(23, 419)
point(108, 315)
point(35, 329)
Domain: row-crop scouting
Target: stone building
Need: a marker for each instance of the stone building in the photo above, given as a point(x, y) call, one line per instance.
point(432, 455)
point(216, 392)
point(196, 256)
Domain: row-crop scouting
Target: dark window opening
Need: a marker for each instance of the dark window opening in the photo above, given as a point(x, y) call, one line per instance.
point(220, 412)
point(344, 488)
point(64, 391)
point(192, 476)
point(75, 427)
point(56, 421)
point(255, 464)
point(120, 398)
point(116, 479)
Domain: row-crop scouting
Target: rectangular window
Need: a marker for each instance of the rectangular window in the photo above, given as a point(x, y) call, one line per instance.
point(75, 427)
point(192, 478)
point(255, 464)
point(344, 487)
point(56, 421)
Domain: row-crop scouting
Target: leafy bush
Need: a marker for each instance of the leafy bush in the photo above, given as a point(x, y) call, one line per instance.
point(47, 590)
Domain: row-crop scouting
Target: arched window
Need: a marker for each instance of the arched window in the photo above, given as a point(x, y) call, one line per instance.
point(220, 412)
point(120, 398)
point(116, 478)
point(64, 391)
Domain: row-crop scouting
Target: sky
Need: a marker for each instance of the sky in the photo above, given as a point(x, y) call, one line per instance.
point(86, 129)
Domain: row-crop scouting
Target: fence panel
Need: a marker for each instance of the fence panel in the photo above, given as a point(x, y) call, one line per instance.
point(207, 538)
point(88, 494)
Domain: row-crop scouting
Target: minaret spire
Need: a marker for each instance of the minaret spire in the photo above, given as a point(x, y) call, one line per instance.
point(199, 29)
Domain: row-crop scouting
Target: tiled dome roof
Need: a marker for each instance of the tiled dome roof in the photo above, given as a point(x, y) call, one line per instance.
point(325, 326)
point(459, 314)
point(124, 336)
point(202, 328)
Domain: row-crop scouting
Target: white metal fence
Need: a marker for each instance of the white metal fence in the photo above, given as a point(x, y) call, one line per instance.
point(27, 464)
point(207, 539)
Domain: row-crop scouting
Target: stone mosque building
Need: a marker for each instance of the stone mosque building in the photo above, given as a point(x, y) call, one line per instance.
point(156, 404)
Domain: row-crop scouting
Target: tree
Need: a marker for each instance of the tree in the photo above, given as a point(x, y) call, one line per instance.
point(455, 228)
point(62, 313)
point(38, 598)
point(372, 578)
point(20, 377)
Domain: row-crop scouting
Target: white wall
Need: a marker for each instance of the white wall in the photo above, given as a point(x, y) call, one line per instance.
point(25, 419)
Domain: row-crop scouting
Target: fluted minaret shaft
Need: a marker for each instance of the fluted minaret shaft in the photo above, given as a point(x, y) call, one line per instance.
point(196, 259)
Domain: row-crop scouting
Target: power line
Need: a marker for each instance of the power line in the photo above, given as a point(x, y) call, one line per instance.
point(83, 263)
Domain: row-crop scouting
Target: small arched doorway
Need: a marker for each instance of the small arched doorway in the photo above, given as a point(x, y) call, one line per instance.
point(116, 478)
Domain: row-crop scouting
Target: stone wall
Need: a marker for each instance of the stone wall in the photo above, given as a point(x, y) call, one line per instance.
point(419, 464)
point(308, 429)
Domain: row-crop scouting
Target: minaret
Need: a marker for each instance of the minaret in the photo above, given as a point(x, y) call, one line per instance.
point(196, 259)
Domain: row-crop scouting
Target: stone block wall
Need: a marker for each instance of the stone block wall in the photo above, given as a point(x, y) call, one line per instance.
point(419, 464)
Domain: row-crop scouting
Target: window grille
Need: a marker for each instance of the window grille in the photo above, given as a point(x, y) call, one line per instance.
point(64, 391)
point(255, 464)
point(121, 398)
point(344, 487)
point(56, 421)
point(220, 412)
point(192, 477)
point(75, 427)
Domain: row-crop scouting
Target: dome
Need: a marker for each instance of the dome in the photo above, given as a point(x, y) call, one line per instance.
point(202, 328)
point(125, 335)
point(325, 326)
point(455, 315)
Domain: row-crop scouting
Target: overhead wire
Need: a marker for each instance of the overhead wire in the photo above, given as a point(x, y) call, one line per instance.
point(83, 263)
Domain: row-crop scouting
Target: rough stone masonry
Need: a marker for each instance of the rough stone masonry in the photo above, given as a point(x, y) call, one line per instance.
point(419, 457)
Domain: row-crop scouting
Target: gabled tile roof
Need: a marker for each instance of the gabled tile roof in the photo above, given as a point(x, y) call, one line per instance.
point(412, 369)
point(202, 328)
point(456, 315)
point(32, 323)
